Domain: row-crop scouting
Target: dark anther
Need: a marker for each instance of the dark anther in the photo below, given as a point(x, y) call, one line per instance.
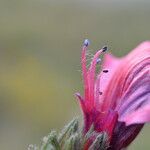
point(105, 71)
point(100, 93)
point(105, 48)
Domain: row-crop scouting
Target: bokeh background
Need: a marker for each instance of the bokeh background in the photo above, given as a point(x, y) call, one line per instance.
point(40, 43)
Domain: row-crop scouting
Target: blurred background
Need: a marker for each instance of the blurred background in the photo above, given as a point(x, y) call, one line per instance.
point(40, 42)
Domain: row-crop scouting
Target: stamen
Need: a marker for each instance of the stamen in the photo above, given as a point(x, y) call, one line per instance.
point(98, 60)
point(105, 71)
point(84, 68)
point(86, 42)
point(105, 48)
point(100, 93)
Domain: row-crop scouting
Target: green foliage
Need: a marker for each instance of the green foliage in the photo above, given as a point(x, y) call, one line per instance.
point(72, 138)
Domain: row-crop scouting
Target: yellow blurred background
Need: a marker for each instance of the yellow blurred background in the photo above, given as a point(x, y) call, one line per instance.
point(40, 43)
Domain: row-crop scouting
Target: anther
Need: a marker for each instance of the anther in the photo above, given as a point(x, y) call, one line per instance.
point(105, 48)
point(86, 42)
point(100, 93)
point(98, 60)
point(105, 71)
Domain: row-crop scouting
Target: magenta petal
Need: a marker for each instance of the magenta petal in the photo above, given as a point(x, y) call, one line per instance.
point(123, 135)
point(110, 63)
point(138, 117)
point(109, 122)
point(123, 86)
point(129, 89)
point(136, 98)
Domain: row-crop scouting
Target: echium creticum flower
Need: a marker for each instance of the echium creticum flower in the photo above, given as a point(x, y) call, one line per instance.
point(115, 105)
point(117, 99)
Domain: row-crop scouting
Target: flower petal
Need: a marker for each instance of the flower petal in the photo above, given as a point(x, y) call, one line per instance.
point(136, 95)
point(138, 117)
point(110, 63)
point(129, 89)
point(123, 135)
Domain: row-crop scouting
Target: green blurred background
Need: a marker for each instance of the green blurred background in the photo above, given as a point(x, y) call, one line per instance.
point(40, 43)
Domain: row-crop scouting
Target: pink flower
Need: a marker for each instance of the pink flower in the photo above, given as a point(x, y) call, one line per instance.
point(117, 100)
